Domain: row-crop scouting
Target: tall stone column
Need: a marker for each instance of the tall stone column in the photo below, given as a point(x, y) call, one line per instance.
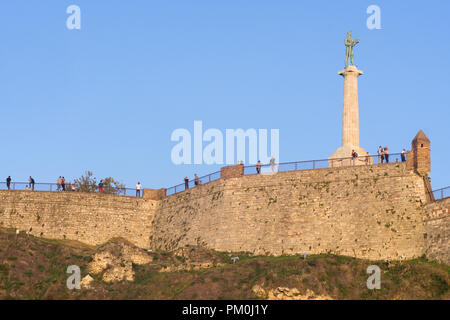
point(350, 115)
point(350, 122)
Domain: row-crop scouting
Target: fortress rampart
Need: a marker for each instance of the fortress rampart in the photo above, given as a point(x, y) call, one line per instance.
point(373, 212)
point(88, 217)
point(437, 227)
point(368, 211)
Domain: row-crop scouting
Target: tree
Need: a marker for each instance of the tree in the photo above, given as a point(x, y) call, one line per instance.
point(88, 183)
point(112, 186)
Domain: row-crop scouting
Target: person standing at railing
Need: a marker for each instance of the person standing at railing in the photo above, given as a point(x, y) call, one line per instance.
point(31, 182)
point(186, 183)
point(386, 154)
point(403, 155)
point(8, 182)
point(272, 164)
point(58, 184)
point(258, 167)
point(63, 184)
point(354, 156)
point(380, 155)
point(367, 158)
point(138, 189)
point(100, 186)
point(196, 181)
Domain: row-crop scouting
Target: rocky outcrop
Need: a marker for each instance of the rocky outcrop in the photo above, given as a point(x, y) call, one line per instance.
point(283, 293)
point(193, 258)
point(86, 282)
point(115, 259)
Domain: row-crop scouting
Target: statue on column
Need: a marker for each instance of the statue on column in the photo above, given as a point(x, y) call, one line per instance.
point(349, 44)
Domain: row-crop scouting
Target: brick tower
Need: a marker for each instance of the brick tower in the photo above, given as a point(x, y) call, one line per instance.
point(419, 157)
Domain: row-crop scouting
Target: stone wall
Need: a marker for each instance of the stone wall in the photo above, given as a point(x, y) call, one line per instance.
point(232, 171)
point(88, 217)
point(371, 212)
point(437, 226)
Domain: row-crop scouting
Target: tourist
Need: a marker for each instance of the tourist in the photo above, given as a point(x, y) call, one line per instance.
point(58, 184)
point(196, 179)
point(8, 182)
point(100, 186)
point(272, 164)
point(354, 156)
point(403, 155)
point(26, 188)
point(186, 182)
point(138, 189)
point(258, 167)
point(31, 181)
point(386, 154)
point(380, 155)
point(63, 184)
point(367, 158)
point(73, 188)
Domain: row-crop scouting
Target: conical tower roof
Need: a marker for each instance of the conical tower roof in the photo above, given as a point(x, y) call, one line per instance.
point(420, 136)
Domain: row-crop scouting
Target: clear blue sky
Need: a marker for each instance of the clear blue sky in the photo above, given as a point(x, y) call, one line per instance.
point(106, 98)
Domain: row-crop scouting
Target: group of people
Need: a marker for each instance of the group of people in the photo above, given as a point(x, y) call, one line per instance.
point(29, 186)
point(197, 181)
point(61, 184)
point(383, 155)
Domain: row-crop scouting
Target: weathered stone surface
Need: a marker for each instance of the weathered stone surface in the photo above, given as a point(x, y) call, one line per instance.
point(282, 293)
point(91, 218)
point(115, 260)
point(235, 171)
point(86, 282)
point(437, 227)
point(372, 212)
point(152, 194)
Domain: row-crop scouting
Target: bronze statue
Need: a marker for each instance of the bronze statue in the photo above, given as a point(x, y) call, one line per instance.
point(349, 44)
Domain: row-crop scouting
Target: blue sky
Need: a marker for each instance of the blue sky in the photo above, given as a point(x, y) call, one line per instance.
point(106, 98)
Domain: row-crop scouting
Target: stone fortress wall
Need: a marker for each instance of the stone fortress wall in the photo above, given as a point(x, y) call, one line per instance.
point(373, 212)
point(437, 227)
point(369, 211)
point(87, 217)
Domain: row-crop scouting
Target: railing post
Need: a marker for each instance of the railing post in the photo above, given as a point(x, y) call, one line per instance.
point(442, 194)
point(314, 164)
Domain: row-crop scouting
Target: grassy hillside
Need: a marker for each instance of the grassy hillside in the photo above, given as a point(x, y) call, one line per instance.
point(34, 268)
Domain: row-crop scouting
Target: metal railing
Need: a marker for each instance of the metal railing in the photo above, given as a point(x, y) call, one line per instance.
point(201, 180)
point(441, 193)
point(323, 163)
point(248, 170)
point(294, 166)
point(69, 187)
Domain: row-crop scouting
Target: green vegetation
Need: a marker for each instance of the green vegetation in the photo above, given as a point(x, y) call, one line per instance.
point(43, 275)
point(88, 183)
